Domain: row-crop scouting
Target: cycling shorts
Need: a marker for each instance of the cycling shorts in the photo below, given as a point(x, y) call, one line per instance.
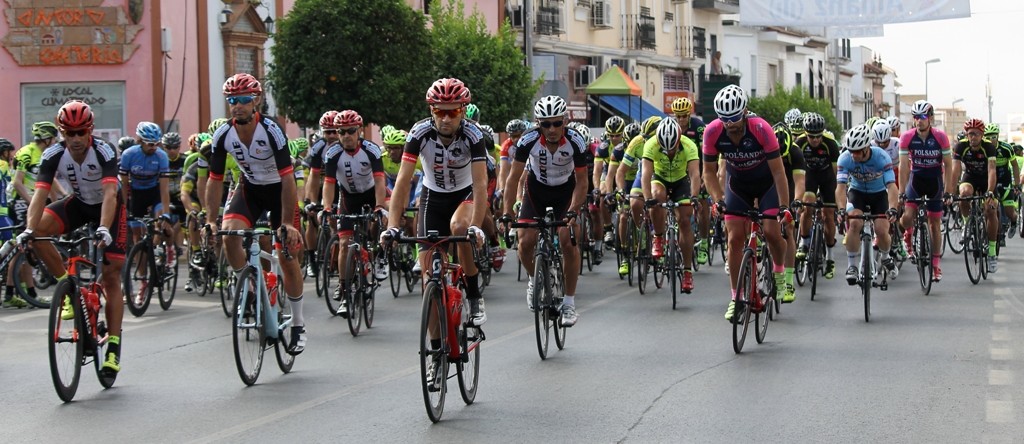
point(869, 203)
point(71, 213)
point(250, 201)
point(678, 191)
point(538, 197)
point(437, 210)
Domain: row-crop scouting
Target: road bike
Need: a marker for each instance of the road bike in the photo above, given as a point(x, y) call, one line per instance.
point(812, 264)
point(150, 265)
point(262, 316)
point(921, 243)
point(401, 260)
point(447, 336)
point(755, 284)
point(869, 274)
point(358, 287)
point(671, 264)
point(974, 242)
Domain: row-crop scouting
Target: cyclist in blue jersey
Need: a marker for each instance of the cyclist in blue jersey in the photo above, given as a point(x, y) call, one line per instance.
point(145, 173)
point(866, 184)
point(926, 168)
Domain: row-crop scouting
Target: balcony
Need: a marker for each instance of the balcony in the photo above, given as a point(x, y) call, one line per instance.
point(639, 32)
point(700, 49)
point(549, 18)
point(684, 42)
point(719, 6)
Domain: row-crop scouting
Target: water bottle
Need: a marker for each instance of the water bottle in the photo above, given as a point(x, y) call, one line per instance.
point(271, 280)
point(6, 248)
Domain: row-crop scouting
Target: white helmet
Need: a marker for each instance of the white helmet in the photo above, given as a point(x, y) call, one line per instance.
point(857, 138)
point(668, 134)
point(549, 106)
point(881, 131)
point(921, 107)
point(730, 101)
point(791, 116)
point(894, 122)
point(581, 128)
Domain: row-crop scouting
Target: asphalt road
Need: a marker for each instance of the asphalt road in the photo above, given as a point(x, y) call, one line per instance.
point(939, 368)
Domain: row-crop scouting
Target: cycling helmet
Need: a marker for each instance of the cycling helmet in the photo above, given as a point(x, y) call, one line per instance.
point(472, 112)
point(148, 132)
point(797, 127)
point(171, 140)
point(6, 145)
point(650, 126)
point(814, 123)
point(974, 124)
point(489, 131)
point(992, 129)
point(348, 118)
point(297, 145)
point(125, 143)
point(881, 132)
point(730, 101)
point(870, 123)
point(44, 130)
point(515, 126)
point(682, 105)
point(792, 116)
point(632, 130)
point(668, 135)
point(961, 135)
point(615, 124)
point(396, 137)
point(386, 130)
point(75, 114)
point(327, 120)
point(922, 107)
point(549, 106)
point(242, 84)
point(203, 137)
point(583, 129)
point(448, 90)
point(894, 122)
point(857, 138)
point(217, 123)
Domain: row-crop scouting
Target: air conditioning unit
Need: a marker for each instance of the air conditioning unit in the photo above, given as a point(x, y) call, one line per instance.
point(585, 75)
point(601, 14)
point(516, 16)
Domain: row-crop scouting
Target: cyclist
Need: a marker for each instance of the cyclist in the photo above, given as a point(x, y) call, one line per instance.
point(693, 128)
point(353, 167)
point(10, 299)
point(315, 159)
point(820, 157)
point(26, 167)
point(268, 184)
point(89, 164)
point(124, 143)
point(1007, 178)
point(866, 184)
point(793, 162)
point(974, 165)
point(754, 171)
point(925, 168)
point(144, 171)
point(515, 129)
point(670, 173)
point(593, 187)
point(613, 143)
point(394, 143)
point(175, 170)
point(454, 199)
point(496, 253)
point(556, 178)
point(630, 159)
point(897, 127)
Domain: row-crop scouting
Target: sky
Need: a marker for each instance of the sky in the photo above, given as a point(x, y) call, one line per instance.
point(986, 45)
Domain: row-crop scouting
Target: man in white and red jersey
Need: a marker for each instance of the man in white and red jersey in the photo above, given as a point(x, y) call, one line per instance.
point(315, 160)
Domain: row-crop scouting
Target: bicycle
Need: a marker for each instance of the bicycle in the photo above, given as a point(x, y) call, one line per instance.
point(401, 260)
point(755, 284)
point(262, 316)
point(150, 265)
point(953, 228)
point(446, 315)
point(359, 286)
point(671, 264)
point(869, 262)
point(974, 242)
point(13, 259)
point(326, 260)
point(72, 343)
point(643, 244)
point(625, 249)
point(921, 244)
point(812, 264)
point(548, 280)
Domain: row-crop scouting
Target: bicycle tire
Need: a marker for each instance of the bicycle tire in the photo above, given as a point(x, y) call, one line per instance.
point(227, 280)
point(583, 243)
point(353, 291)
point(764, 310)
point(954, 235)
point(249, 342)
point(745, 286)
point(138, 260)
point(555, 301)
point(170, 283)
point(433, 390)
point(981, 244)
point(867, 274)
point(410, 260)
point(468, 369)
point(671, 269)
point(643, 259)
point(922, 247)
point(816, 266)
point(66, 373)
point(970, 252)
point(369, 305)
point(328, 269)
point(22, 291)
point(323, 241)
point(631, 245)
point(541, 310)
point(285, 360)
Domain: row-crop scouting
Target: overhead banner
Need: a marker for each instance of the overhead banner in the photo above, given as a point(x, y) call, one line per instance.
point(853, 32)
point(848, 12)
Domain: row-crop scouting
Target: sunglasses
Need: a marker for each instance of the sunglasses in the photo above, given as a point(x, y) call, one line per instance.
point(449, 113)
point(814, 136)
point(243, 100)
point(731, 119)
point(920, 116)
point(330, 131)
point(76, 133)
point(682, 116)
point(556, 124)
point(352, 130)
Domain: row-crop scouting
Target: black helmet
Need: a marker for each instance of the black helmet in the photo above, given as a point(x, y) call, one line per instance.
point(125, 143)
point(6, 145)
point(814, 123)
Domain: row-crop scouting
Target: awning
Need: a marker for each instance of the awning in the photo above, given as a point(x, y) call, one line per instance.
point(614, 82)
point(632, 107)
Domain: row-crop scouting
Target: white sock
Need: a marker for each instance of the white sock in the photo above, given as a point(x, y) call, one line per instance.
point(569, 300)
point(297, 319)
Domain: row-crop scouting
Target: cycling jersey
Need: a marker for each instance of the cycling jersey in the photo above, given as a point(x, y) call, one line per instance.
point(1004, 157)
point(975, 161)
point(925, 154)
point(188, 181)
point(176, 168)
point(27, 160)
point(144, 170)
point(315, 158)
point(750, 156)
point(508, 150)
point(893, 150)
point(634, 150)
point(86, 178)
point(353, 171)
point(5, 179)
point(695, 130)
point(870, 176)
point(263, 162)
point(672, 169)
point(552, 168)
point(820, 158)
point(446, 168)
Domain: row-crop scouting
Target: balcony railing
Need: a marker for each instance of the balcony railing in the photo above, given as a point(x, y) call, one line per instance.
point(639, 32)
point(549, 18)
point(684, 42)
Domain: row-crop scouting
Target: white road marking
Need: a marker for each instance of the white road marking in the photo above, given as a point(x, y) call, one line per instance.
point(998, 411)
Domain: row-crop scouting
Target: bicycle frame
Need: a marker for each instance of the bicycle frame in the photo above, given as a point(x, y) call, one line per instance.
point(263, 294)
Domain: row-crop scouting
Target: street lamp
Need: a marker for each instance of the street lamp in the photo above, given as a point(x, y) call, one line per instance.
point(955, 102)
point(926, 63)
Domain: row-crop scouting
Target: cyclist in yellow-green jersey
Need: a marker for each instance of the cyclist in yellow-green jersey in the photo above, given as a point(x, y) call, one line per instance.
point(26, 166)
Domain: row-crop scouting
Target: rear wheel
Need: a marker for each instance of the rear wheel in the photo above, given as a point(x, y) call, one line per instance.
point(247, 332)
point(972, 257)
point(923, 253)
point(816, 256)
point(66, 340)
point(867, 276)
point(138, 277)
point(329, 274)
point(226, 279)
point(285, 360)
point(434, 385)
point(672, 271)
point(170, 280)
point(642, 264)
point(954, 230)
point(764, 302)
point(745, 288)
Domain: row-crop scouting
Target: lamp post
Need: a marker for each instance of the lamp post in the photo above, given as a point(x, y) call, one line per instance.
point(955, 102)
point(926, 63)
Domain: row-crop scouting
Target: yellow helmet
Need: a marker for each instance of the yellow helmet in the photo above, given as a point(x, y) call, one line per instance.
point(650, 126)
point(682, 105)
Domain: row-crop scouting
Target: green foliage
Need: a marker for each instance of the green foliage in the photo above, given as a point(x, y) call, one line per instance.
point(490, 65)
point(773, 107)
point(364, 55)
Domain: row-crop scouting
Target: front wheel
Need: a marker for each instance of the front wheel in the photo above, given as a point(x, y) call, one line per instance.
point(170, 281)
point(138, 277)
point(923, 253)
point(745, 288)
point(353, 287)
point(247, 328)
point(541, 300)
point(433, 360)
point(468, 370)
point(328, 272)
point(226, 279)
point(285, 360)
point(66, 340)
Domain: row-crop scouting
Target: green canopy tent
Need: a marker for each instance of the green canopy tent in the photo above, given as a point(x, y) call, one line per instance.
point(615, 89)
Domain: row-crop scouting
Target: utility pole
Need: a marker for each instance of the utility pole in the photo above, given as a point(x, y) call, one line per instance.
point(988, 95)
point(528, 32)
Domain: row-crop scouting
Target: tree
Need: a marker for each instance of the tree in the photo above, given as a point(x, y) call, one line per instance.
point(372, 56)
point(490, 65)
point(773, 107)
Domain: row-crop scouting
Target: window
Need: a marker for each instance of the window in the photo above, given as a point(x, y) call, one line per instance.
point(40, 101)
point(676, 81)
point(247, 60)
point(799, 79)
